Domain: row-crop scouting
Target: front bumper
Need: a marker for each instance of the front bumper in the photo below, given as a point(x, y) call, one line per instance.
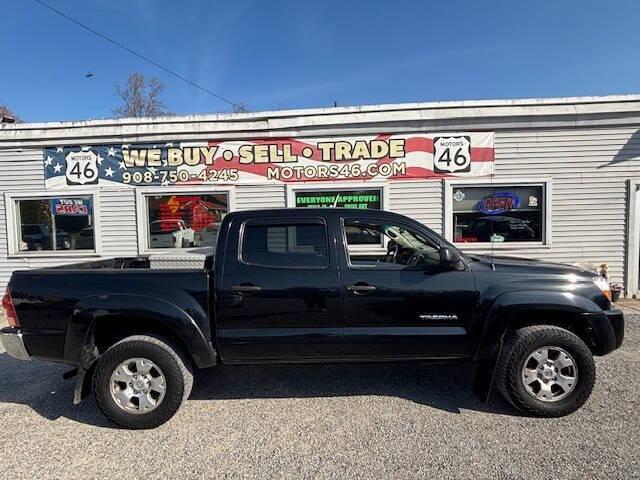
point(616, 318)
point(606, 330)
point(13, 342)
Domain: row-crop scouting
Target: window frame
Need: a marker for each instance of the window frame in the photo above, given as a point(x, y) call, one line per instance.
point(376, 267)
point(279, 222)
point(142, 211)
point(381, 186)
point(14, 230)
point(547, 211)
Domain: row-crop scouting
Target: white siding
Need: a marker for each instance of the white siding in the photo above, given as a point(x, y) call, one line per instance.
point(421, 201)
point(118, 223)
point(250, 197)
point(21, 171)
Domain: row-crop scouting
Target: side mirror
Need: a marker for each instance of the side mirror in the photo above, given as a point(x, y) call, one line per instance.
point(449, 257)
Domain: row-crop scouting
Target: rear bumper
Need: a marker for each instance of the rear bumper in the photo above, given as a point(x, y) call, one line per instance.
point(13, 342)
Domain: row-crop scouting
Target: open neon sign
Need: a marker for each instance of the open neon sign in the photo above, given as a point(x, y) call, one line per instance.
point(498, 203)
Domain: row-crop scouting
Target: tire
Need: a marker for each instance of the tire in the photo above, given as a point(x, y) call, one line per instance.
point(525, 347)
point(171, 372)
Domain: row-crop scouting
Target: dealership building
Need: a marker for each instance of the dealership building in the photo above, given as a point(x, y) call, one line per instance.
point(554, 179)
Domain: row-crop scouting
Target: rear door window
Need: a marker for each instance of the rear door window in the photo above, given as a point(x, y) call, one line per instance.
point(285, 244)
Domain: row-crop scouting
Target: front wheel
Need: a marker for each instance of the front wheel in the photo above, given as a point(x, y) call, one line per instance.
point(141, 382)
point(546, 370)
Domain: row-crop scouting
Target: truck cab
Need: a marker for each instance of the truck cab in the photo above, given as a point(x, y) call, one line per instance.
point(365, 285)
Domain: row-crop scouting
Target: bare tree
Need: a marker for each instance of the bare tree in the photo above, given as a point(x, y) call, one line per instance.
point(140, 97)
point(240, 107)
point(6, 112)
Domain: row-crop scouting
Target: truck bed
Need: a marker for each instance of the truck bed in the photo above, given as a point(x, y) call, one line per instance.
point(49, 301)
point(109, 264)
point(194, 260)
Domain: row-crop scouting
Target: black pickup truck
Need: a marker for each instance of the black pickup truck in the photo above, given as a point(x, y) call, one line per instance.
point(315, 285)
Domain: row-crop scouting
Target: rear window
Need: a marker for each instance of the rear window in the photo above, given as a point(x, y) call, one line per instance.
point(285, 244)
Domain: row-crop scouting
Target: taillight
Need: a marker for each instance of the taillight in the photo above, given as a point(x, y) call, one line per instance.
point(9, 309)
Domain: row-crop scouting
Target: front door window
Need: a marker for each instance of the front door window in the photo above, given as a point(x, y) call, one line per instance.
point(394, 246)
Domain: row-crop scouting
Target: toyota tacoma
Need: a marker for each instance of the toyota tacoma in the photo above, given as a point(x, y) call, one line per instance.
point(314, 285)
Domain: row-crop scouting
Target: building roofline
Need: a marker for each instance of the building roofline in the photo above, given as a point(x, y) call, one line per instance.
point(481, 108)
point(454, 116)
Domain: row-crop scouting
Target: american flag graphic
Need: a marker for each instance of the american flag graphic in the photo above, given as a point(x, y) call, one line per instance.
point(108, 161)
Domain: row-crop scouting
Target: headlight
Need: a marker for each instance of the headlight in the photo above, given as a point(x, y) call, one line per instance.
point(603, 285)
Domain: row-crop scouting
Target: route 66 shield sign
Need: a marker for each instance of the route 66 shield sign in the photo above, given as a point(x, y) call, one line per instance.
point(82, 168)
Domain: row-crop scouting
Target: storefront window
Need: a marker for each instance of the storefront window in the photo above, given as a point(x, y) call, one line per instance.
point(364, 198)
point(180, 221)
point(55, 224)
point(498, 214)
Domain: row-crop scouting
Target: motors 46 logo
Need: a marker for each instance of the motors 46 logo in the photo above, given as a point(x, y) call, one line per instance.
point(82, 168)
point(451, 154)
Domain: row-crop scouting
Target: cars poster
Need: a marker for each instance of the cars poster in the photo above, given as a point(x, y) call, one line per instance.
point(285, 160)
point(71, 206)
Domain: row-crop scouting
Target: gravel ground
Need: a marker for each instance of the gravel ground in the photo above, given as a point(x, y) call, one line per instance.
point(336, 421)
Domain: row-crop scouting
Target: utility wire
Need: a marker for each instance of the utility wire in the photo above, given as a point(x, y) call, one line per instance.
point(139, 55)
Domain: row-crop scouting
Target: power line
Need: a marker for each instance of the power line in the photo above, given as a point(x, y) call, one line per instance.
point(139, 55)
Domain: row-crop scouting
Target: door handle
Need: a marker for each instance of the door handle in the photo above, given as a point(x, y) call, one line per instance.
point(360, 288)
point(245, 289)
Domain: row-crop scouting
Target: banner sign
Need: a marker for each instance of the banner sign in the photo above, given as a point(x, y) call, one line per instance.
point(286, 160)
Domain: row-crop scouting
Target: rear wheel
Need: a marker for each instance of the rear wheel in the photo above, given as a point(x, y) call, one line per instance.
point(141, 382)
point(546, 370)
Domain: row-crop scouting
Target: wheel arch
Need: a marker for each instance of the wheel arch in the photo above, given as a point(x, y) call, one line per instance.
point(513, 310)
point(99, 321)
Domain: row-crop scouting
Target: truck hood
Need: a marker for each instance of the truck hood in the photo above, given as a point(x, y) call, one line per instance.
point(527, 265)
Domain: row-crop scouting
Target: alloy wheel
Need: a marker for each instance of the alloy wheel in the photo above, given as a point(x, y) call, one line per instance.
point(550, 374)
point(138, 385)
